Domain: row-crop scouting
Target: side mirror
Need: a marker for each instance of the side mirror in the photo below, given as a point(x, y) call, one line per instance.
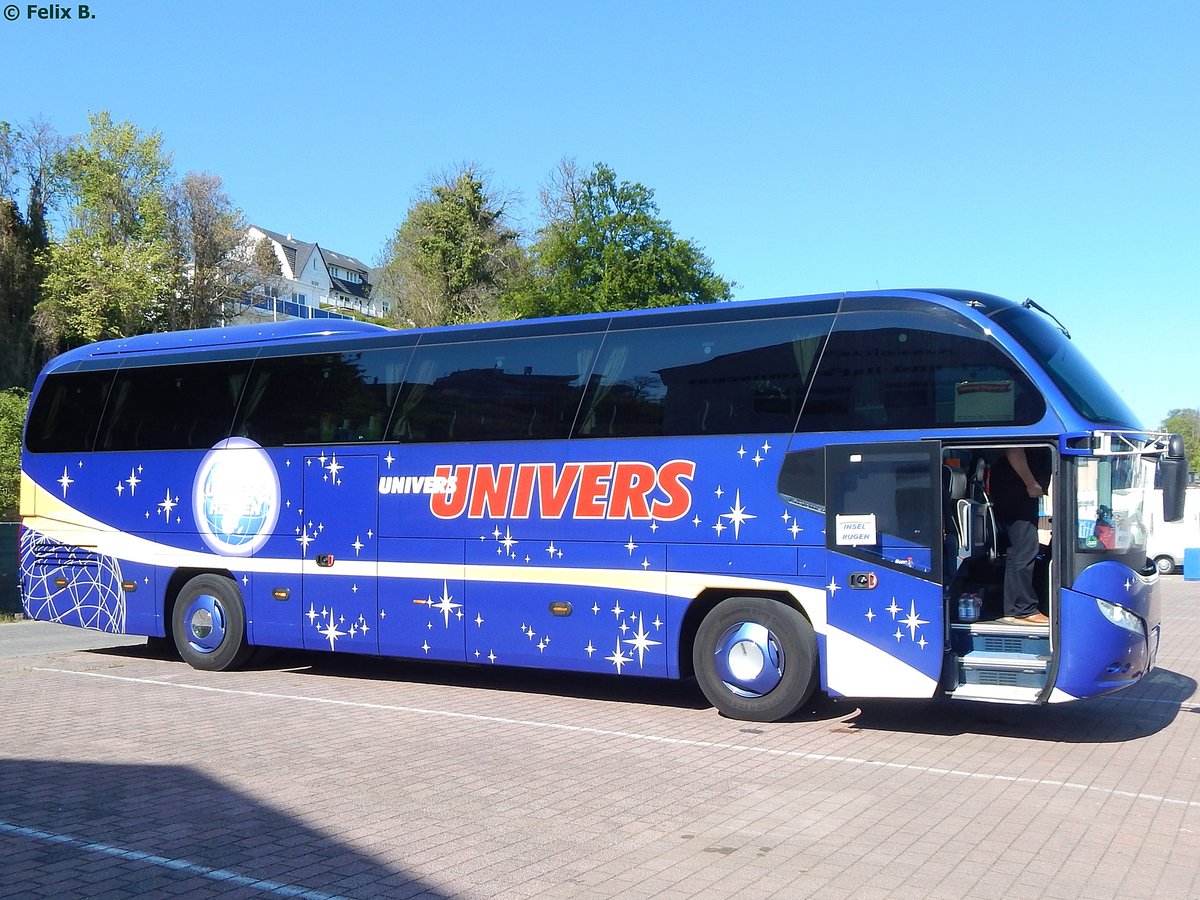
point(1173, 468)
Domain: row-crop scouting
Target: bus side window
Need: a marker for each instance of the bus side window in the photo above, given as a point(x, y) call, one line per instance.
point(905, 370)
point(183, 407)
point(520, 389)
point(328, 398)
point(66, 414)
point(716, 378)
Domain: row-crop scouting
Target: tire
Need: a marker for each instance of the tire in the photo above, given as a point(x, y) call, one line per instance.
point(1164, 564)
point(755, 659)
point(208, 622)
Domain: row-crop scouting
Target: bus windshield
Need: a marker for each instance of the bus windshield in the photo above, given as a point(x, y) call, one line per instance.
point(1110, 517)
point(1067, 367)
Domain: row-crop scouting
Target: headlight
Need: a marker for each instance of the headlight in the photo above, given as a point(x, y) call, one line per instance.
point(1119, 615)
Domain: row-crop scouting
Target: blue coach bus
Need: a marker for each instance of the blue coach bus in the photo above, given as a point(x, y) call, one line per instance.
point(771, 496)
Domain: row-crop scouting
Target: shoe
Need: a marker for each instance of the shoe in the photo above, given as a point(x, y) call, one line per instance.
point(1038, 618)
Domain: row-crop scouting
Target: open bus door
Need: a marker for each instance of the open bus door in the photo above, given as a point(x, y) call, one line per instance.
point(886, 615)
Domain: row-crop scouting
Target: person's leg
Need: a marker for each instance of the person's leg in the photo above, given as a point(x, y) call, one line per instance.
point(1020, 599)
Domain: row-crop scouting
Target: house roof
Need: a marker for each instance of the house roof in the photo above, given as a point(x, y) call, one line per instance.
point(354, 289)
point(299, 252)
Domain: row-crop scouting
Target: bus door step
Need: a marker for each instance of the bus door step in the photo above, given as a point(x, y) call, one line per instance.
point(1003, 669)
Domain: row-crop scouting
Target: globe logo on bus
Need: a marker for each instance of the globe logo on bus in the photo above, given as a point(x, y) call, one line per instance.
point(236, 497)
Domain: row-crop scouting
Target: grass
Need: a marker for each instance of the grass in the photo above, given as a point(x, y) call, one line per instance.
point(6, 617)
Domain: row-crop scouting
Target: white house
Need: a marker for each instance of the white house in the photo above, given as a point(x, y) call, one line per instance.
point(313, 282)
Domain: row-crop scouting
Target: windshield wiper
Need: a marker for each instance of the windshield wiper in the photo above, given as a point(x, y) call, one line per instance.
point(1033, 304)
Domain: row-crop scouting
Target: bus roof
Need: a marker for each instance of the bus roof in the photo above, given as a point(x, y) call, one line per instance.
point(306, 332)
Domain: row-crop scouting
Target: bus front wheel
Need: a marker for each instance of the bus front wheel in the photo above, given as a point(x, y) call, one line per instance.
point(209, 624)
point(755, 659)
point(1165, 564)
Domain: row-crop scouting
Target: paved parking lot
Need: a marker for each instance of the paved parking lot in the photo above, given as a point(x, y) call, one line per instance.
point(313, 776)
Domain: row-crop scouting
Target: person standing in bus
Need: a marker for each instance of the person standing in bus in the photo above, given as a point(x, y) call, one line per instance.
point(1018, 482)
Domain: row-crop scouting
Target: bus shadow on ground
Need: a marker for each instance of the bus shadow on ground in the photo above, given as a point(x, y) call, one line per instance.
point(578, 685)
point(683, 694)
point(1138, 712)
point(146, 830)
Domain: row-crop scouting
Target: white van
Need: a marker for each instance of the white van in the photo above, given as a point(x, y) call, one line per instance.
point(1168, 540)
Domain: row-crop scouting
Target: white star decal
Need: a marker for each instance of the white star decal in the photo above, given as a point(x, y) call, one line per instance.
point(167, 505)
point(618, 657)
point(334, 468)
point(641, 642)
point(737, 515)
point(616, 610)
point(589, 649)
point(758, 459)
point(912, 622)
point(304, 540)
point(331, 631)
point(551, 549)
point(120, 488)
point(508, 543)
point(870, 614)
point(66, 481)
point(389, 459)
point(357, 545)
point(893, 609)
point(741, 451)
point(833, 587)
point(631, 546)
point(444, 603)
point(720, 493)
point(133, 481)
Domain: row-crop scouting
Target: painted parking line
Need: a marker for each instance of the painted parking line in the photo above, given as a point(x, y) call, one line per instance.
point(639, 737)
point(223, 876)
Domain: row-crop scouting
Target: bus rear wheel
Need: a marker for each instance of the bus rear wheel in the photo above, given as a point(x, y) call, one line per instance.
point(209, 624)
point(755, 659)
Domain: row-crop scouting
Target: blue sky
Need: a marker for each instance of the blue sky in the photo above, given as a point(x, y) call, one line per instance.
point(1047, 150)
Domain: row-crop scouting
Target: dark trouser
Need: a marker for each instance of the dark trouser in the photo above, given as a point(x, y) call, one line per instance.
point(1019, 597)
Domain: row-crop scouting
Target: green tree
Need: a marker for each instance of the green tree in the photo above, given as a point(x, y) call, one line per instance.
point(605, 246)
point(13, 403)
point(24, 168)
point(212, 266)
point(454, 255)
point(115, 272)
point(1186, 423)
